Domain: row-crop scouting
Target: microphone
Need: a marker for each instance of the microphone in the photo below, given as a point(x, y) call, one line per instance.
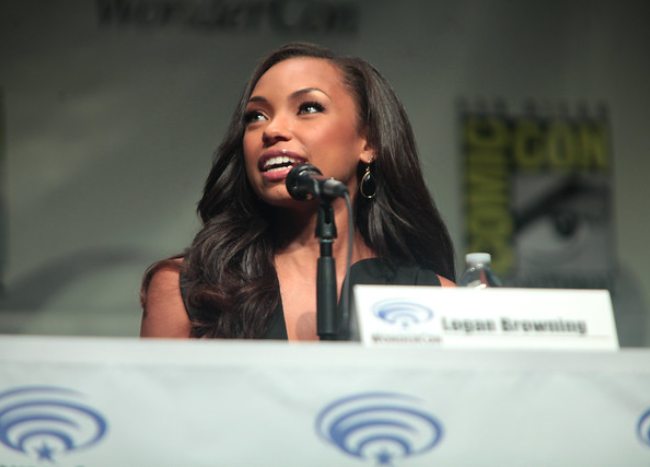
point(305, 181)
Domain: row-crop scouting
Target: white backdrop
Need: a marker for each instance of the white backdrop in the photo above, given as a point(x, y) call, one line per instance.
point(110, 129)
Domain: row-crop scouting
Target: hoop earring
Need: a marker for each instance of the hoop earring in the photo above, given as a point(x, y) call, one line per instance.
point(367, 186)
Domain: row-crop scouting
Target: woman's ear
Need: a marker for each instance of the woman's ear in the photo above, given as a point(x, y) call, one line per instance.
point(367, 154)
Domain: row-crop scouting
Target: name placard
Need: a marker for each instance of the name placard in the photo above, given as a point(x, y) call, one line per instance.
point(484, 318)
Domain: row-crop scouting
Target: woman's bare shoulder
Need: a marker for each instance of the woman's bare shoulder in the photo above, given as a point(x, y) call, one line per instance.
point(164, 313)
point(444, 282)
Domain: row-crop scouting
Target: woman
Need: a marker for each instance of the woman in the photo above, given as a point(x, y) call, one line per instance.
point(251, 271)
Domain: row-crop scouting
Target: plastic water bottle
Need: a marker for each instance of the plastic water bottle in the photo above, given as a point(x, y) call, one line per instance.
point(478, 273)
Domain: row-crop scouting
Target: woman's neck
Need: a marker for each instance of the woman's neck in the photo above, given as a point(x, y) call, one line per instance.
point(295, 234)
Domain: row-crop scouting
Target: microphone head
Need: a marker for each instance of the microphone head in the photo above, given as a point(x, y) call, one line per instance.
point(298, 181)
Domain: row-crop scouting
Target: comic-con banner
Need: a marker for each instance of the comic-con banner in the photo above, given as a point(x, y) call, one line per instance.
point(537, 194)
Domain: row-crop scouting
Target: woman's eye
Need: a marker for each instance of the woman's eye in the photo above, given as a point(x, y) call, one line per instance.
point(253, 116)
point(310, 108)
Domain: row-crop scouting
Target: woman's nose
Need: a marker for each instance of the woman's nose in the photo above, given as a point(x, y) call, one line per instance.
point(277, 129)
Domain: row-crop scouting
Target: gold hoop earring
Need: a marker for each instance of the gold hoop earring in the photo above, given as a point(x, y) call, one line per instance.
point(367, 186)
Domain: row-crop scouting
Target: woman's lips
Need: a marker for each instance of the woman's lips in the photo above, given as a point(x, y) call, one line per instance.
point(276, 175)
point(275, 165)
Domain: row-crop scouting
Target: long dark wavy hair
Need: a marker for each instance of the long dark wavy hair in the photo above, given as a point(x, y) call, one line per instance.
point(228, 272)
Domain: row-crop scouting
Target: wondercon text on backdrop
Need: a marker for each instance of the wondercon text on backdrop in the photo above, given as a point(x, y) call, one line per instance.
point(281, 16)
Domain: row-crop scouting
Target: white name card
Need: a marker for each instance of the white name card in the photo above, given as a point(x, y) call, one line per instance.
point(499, 318)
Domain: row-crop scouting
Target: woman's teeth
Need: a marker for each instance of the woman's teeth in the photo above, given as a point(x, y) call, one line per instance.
point(278, 163)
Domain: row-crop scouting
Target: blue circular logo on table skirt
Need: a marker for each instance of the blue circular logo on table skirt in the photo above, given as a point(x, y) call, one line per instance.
point(379, 426)
point(643, 428)
point(44, 421)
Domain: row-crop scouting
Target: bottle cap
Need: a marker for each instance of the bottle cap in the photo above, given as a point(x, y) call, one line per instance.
point(475, 259)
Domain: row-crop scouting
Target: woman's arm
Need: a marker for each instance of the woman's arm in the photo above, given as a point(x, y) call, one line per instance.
point(164, 313)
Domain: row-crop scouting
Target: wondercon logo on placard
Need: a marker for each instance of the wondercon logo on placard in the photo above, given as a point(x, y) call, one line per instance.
point(382, 426)
point(45, 421)
point(643, 428)
point(402, 313)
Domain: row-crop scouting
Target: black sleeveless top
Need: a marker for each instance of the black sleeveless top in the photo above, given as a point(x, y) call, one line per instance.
point(372, 271)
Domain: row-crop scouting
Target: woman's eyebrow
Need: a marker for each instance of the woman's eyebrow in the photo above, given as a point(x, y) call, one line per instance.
point(300, 92)
point(257, 99)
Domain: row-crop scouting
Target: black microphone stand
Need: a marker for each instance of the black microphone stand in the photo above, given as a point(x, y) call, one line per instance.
point(326, 312)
